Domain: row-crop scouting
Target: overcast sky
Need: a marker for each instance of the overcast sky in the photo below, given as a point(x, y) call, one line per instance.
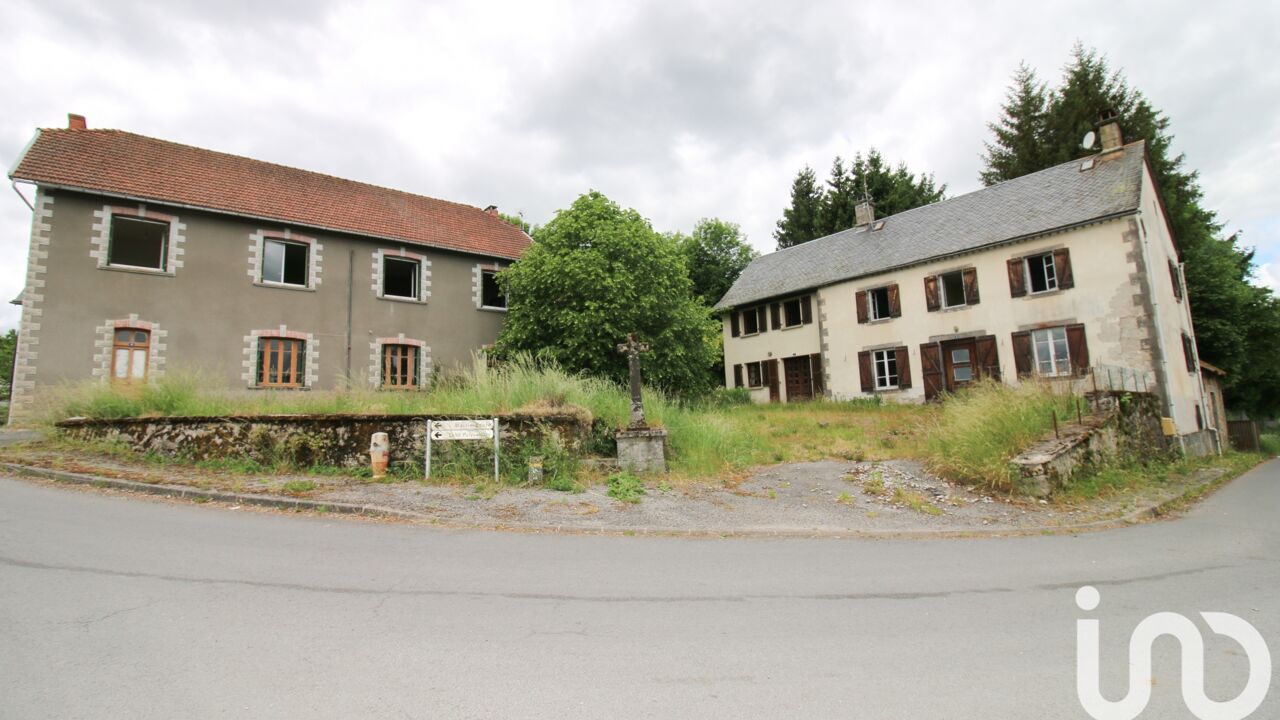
point(681, 110)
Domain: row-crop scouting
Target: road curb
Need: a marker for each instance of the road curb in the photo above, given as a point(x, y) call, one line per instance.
point(1147, 513)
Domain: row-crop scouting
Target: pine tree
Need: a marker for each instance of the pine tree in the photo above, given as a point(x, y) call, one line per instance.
point(1019, 133)
point(892, 190)
point(840, 200)
point(800, 221)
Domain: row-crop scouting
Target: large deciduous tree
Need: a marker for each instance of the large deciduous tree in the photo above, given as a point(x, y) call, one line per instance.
point(595, 273)
point(715, 254)
point(1235, 321)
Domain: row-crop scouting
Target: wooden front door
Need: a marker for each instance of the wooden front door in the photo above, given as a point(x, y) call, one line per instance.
point(799, 378)
point(959, 364)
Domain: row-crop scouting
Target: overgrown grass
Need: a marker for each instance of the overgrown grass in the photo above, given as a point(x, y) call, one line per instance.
point(1123, 477)
point(979, 430)
point(1270, 443)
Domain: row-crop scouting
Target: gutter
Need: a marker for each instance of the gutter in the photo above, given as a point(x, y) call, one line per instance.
point(720, 310)
point(259, 218)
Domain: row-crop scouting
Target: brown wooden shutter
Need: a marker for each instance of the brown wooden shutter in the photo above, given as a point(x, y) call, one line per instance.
point(815, 370)
point(865, 380)
point(1188, 352)
point(1175, 280)
point(737, 375)
point(806, 310)
point(895, 302)
point(762, 319)
point(1062, 269)
point(1017, 278)
point(1077, 348)
point(931, 369)
point(771, 370)
point(987, 357)
point(904, 367)
point(860, 300)
point(931, 299)
point(733, 324)
point(1022, 360)
point(775, 311)
point(971, 286)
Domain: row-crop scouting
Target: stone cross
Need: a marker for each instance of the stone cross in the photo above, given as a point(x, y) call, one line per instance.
point(632, 349)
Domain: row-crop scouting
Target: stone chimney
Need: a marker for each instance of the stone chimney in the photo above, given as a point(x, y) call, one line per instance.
point(864, 212)
point(1109, 131)
point(492, 210)
point(76, 122)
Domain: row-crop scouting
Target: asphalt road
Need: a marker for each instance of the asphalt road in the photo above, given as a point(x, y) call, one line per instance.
point(119, 607)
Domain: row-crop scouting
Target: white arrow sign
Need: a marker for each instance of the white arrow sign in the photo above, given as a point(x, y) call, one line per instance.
point(461, 430)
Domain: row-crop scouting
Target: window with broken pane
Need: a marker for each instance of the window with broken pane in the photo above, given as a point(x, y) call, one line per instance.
point(136, 242)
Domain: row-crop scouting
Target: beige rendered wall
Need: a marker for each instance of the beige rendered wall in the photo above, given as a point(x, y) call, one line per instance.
point(1174, 315)
point(772, 344)
point(1116, 327)
point(203, 310)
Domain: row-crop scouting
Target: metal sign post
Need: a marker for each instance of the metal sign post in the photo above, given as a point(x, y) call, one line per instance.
point(462, 430)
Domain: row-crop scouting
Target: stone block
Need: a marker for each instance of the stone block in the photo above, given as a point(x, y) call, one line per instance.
point(642, 451)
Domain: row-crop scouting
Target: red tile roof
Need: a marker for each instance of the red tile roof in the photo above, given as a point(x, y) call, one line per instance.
point(122, 163)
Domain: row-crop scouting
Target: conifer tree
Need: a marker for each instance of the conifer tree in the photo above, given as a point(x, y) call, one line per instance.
point(800, 221)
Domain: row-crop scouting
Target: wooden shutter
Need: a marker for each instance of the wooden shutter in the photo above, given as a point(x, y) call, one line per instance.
point(971, 286)
point(1175, 280)
point(1077, 348)
point(806, 310)
point(904, 367)
point(860, 300)
point(1188, 353)
point(771, 370)
point(815, 370)
point(865, 379)
point(762, 319)
point(1022, 360)
point(775, 311)
point(987, 356)
point(733, 324)
point(737, 375)
point(1062, 269)
point(931, 299)
point(1017, 278)
point(895, 302)
point(931, 369)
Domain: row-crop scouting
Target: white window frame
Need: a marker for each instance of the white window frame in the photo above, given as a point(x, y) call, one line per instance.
point(1046, 340)
point(1050, 273)
point(262, 270)
point(942, 290)
point(872, 313)
point(880, 361)
point(417, 277)
point(754, 312)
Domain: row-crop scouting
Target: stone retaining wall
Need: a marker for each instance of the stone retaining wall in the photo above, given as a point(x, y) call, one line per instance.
point(1122, 424)
point(339, 440)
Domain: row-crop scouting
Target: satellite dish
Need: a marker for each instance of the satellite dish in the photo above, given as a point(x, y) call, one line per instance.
point(1088, 141)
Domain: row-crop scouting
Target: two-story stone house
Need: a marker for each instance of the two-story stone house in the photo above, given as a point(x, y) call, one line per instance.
point(149, 255)
point(1061, 273)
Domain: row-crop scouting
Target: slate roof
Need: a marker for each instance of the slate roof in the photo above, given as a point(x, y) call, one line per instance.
point(135, 166)
point(1053, 199)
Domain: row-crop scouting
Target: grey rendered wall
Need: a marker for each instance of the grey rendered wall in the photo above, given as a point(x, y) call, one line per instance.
point(205, 309)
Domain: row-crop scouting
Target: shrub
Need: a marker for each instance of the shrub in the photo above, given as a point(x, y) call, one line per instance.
point(625, 487)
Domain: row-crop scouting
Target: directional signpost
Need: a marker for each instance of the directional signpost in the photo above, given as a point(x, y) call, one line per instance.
point(461, 430)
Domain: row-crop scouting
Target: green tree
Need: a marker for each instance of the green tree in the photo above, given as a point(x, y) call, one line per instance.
point(715, 254)
point(1234, 320)
point(518, 221)
point(596, 273)
point(1018, 148)
point(8, 346)
point(801, 221)
point(815, 212)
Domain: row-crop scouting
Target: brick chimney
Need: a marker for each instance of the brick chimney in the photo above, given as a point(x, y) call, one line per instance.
point(864, 212)
point(76, 122)
point(492, 210)
point(1109, 131)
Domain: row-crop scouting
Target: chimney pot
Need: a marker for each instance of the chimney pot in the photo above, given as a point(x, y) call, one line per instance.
point(1109, 130)
point(864, 212)
point(492, 210)
point(76, 122)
